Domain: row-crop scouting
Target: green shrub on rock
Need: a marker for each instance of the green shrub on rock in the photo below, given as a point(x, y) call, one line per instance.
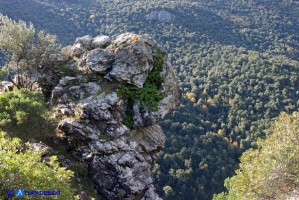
point(21, 112)
point(149, 95)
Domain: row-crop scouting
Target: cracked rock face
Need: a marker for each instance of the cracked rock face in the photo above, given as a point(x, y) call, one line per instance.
point(93, 113)
point(133, 60)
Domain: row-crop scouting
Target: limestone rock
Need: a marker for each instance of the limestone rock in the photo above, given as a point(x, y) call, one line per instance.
point(63, 110)
point(99, 60)
point(6, 86)
point(82, 44)
point(100, 41)
point(77, 50)
point(170, 89)
point(91, 87)
point(133, 60)
point(39, 147)
point(116, 138)
point(149, 138)
point(85, 41)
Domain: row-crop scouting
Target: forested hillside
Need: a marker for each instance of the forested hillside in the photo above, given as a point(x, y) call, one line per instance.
point(238, 65)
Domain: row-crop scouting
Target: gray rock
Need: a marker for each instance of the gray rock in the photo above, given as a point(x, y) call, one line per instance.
point(170, 89)
point(57, 93)
point(6, 86)
point(150, 138)
point(99, 60)
point(65, 111)
point(76, 92)
point(39, 147)
point(143, 116)
point(69, 125)
point(77, 50)
point(100, 41)
point(133, 60)
point(67, 80)
point(112, 98)
point(91, 87)
point(122, 171)
point(85, 41)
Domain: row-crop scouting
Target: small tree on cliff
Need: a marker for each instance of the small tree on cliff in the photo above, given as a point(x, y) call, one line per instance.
point(25, 51)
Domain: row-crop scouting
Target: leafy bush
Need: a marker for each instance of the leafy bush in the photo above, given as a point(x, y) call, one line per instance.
point(21, 112)
point(148, 95)
point(21, 168)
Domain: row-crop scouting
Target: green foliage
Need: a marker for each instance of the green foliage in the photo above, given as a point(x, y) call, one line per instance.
point(149, 94)
point(271, 171)
point(21, 112)
point(221, 196)
point(3, 71)
point(129, 121)
point(154, 76)
point(23, 168)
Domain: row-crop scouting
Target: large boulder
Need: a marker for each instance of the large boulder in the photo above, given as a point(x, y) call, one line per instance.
point(133, 60)
point(101, 41)
point(99, 60)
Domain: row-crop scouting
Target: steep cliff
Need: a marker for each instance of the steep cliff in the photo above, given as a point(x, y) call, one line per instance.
point(109, 97)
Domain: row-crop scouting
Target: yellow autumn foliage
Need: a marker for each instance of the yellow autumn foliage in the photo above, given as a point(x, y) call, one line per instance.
point(191, 96)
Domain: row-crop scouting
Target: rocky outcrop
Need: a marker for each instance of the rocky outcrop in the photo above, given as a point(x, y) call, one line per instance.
point(104, 126)
point(6, 86)
point(160, 16)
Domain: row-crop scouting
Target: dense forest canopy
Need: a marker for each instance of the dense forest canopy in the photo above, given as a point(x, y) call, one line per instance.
point(238, 65)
